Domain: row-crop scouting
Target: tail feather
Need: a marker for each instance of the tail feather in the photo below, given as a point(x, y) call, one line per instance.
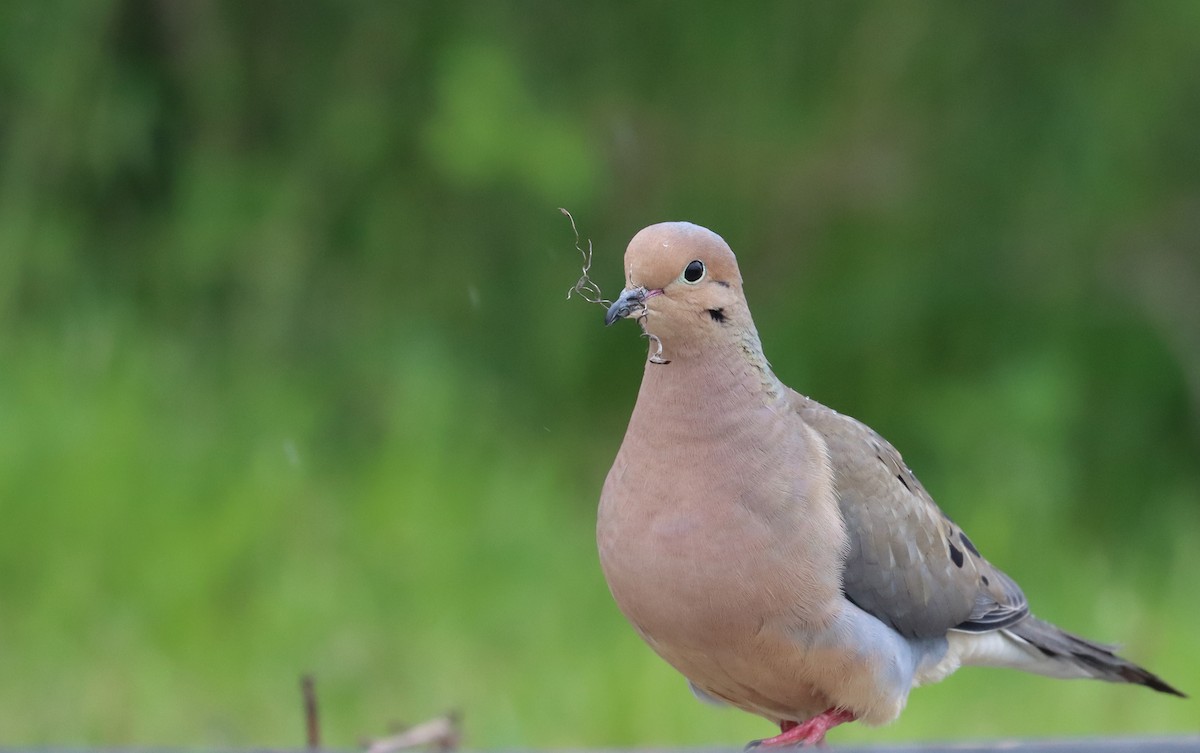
point(1097, 659)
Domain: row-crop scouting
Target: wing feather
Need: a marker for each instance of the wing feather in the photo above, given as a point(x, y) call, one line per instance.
point(908, 564)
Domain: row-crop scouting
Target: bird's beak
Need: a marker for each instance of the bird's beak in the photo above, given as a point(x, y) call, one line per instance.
point(631, 300)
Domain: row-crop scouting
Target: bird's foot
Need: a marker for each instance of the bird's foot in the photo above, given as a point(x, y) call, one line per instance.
point(811, 732)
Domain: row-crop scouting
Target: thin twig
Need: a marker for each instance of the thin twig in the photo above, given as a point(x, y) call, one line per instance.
point(587, 289)
point(312, 722)
point(657, 355)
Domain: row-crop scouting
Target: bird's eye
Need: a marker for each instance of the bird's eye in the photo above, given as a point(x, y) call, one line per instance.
point(693, 272)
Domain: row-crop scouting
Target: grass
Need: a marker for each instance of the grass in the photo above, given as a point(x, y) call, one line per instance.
point(187, 532)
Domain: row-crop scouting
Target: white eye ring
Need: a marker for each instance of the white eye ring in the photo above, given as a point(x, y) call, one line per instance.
point(693, 272)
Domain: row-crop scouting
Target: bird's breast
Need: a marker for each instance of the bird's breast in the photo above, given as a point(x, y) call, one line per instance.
point(700, 544)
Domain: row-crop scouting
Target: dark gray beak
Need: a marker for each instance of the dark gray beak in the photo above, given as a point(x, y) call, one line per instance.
point(631, 300)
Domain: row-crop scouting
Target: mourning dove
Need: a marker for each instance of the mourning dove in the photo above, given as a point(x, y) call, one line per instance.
point(778, 554)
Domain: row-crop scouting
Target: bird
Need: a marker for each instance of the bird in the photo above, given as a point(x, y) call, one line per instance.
point(780, 555)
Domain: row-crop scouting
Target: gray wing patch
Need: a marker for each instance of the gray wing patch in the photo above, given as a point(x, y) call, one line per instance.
point(1000, 604)
point(909, 565)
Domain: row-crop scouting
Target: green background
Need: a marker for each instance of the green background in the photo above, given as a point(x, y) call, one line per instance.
point(288, 380)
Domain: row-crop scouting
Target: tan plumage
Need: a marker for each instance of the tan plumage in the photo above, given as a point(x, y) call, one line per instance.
point(777, 553)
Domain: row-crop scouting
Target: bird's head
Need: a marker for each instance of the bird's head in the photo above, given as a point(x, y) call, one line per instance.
point(683, 285)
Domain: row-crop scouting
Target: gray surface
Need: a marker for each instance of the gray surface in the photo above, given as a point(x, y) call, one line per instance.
point(1171, 744)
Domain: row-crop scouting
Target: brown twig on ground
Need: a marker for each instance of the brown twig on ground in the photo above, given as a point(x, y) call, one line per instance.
point(312, 723)
point(587, 289)
point(441, 732)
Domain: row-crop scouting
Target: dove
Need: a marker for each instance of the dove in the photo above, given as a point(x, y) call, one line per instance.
point(781, 555)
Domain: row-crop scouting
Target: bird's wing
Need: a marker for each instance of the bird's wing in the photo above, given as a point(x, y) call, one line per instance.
point(908, 565)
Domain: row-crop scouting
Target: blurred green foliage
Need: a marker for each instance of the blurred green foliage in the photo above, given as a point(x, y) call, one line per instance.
point(288, 382)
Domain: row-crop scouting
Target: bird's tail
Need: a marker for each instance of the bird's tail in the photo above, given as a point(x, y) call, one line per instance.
point(1092, 659)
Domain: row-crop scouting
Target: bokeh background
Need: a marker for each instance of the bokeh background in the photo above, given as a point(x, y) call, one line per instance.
point(288, 380)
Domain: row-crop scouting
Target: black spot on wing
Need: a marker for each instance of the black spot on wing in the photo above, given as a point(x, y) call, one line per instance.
point(900, 476)
point(956, 554)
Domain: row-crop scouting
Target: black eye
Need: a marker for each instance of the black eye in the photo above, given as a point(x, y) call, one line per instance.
point(693, 271)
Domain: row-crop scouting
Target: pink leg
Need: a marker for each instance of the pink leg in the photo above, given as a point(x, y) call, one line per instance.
point(811, 732)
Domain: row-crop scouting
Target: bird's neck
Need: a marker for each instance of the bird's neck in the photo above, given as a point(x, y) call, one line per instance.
point(696, 387)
